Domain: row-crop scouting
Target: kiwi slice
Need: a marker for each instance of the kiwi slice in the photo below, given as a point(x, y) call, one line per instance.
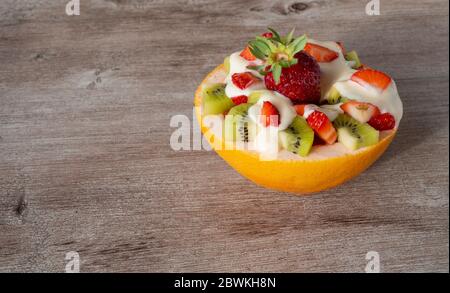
point(298, 137)
point(334, 97)
point(226, 64)
point(353, 134)
point(215, 101)
point(353, 56)
point(238, 126)
point(254, 97)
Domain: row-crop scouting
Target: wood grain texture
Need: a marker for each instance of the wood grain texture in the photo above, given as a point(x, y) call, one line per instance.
point(85, 161)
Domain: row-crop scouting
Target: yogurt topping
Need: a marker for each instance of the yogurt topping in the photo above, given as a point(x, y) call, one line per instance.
point(336, 73)
point(239, 65)
point(332, 111)
point(283, 104)
point(266, 141)
point(387, 101)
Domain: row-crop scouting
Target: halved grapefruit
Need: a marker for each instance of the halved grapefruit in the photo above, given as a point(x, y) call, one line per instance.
point(325, 167)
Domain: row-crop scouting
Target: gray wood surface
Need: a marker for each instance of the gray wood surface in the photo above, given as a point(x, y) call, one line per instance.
point(86, 166)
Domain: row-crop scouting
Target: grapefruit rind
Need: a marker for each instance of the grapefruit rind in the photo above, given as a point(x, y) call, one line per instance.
point(295, 176)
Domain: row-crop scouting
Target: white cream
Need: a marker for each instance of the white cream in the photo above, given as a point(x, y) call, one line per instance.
point(239, 65)
point(335, 70)
point(331, 111)
point(266, 142)
point(387, 101)
point(233, 91)
point(283, 105)
point(309, 109)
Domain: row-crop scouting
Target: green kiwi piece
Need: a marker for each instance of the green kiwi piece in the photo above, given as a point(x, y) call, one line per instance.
point(215, 101)
point(238, 125)
point(226, 64)
point(254, 97)
point(298, 137)
point(334, 97)
point(353, 56)
point(353, 134)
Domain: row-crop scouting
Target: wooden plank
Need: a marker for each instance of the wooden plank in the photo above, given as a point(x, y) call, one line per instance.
point(85, 161)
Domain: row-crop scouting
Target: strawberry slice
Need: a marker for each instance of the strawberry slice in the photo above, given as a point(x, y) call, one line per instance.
point(243, 80)
point(300, 109)
point(362, 112)
point(383, 121)
point(240, 99)
point(269, 115)
point(371, 77)
point(320, 53)
point(247, 54)
point(322, 126)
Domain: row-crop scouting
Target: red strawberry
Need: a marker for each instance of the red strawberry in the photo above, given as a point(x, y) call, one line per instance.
point(267, 35)
point(287, 69)
point(362, 112)
point(240, 99)
point(371, 77)
point(320, 53)
point(243, 80)
point(322, 126)
point(300, 109)
point(269, 114)
point(247, 54)
point(383, 121)
point(299, 82)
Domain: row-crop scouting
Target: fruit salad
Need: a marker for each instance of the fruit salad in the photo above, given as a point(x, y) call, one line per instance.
point(317, 97)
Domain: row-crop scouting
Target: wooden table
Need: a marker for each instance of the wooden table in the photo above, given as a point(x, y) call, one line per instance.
point(86, 165)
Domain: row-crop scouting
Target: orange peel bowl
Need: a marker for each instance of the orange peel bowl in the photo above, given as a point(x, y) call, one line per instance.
point(301, 176)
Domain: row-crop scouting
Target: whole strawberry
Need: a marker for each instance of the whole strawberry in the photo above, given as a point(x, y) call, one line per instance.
point(287, 69)
point(299, 82)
